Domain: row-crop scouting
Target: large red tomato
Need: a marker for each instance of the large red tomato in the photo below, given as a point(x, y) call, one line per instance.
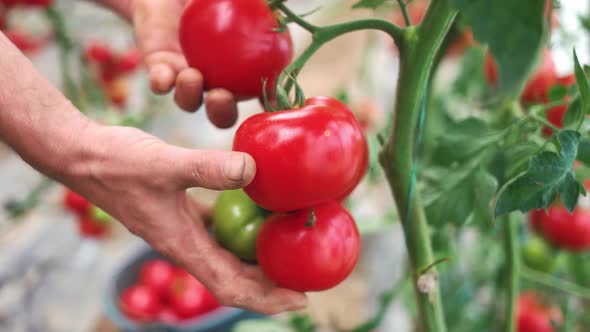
point(140, 303)
point(565, 230)
point(187, 297)
point(234, 44)
point(533, 316)
point(304, 156)
point(157, 275)
point(303, 257)
point(537, 88)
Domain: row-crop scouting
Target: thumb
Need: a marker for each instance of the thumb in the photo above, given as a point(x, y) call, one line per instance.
point(217, 170)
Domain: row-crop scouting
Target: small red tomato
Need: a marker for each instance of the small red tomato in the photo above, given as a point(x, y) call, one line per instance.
point(140, 303)
point(304, 156)
point(537, 88)
point(128, 62)
point(555, 115)
point(37, 3)
point(304, 256)
point(565, 230)
point(533, 316)
point(187, 297)
point(76, 203)
point(244, 47)
point(167, 315)
point(90, 228)
point(98, 53)
point(28, 44)
point(157, 274)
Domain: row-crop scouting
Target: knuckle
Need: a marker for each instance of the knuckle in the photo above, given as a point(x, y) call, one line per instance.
point(200, 170)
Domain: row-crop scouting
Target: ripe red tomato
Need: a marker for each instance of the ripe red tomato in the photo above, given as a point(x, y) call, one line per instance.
point(187, 297)
point(533, 316)
point(140, 303)
point(234, 45)
point(167, 315)
point(537, 88)
point(28, 44)
point(90, 228)
point(128, 62)
point(76, 203)
point(565, 230)
point(309, 258)
point(157, 274)
point(39, 3)
point(98, 53)
point(304, 156)
point(536, 219)
point(556, 114)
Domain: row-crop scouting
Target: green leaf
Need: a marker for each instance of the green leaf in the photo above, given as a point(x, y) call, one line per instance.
point(573, 114)
point(302, 323)
point(461, 193)
point(582, 82)
point(462, 140)
point(370, 4)
point(549, 174)
point(514, 31)
point(484, 187)
point(557, 92)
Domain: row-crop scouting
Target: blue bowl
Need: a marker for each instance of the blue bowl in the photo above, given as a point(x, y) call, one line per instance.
point(220, 320)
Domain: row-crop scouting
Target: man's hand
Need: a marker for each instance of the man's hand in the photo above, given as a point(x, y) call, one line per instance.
point(156, 24)
point(142, 182)
point(135, 177)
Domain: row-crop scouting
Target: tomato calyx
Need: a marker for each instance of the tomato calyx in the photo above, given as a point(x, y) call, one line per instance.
point(311, 219)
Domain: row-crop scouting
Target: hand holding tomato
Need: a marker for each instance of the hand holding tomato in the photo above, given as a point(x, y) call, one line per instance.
point(156, 24)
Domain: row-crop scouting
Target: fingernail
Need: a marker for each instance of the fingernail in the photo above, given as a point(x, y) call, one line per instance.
point(233, 167)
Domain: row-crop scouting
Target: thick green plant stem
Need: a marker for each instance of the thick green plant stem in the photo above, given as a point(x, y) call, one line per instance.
point(513, 263)
point(418, 50)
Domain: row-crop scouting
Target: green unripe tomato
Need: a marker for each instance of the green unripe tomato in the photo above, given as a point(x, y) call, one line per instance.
point(99, 215)
point(538, 255)
point(236, 222)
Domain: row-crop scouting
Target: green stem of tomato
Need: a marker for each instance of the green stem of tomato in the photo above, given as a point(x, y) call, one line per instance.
point(297, 19)
point(402, 6)
point(419, 46)
point(323, 35)
point(510, 226)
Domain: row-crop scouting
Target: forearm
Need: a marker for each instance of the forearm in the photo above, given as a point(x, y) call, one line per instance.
point(36, 120)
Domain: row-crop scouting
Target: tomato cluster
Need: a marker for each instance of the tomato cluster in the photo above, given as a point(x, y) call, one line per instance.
point(534, 316)
point(290, 218)
point(165, 293)
point(26, 42)
point(537, 88)
point(92, 221)
point(112, 68)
